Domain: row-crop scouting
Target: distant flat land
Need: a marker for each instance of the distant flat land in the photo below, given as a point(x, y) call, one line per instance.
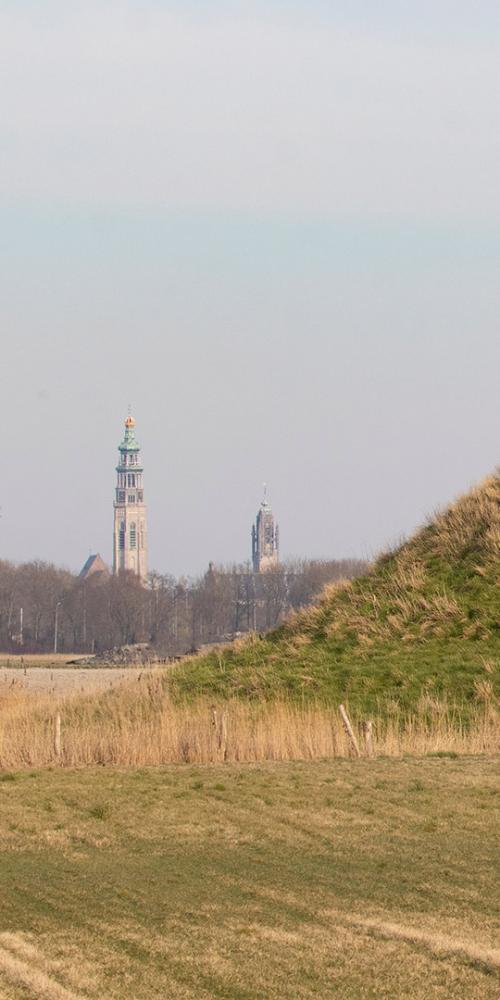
point(62, 679)
point(345, 879)
point(21, 660)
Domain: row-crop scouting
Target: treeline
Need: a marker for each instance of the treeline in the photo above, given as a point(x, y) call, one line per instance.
point(45, 609)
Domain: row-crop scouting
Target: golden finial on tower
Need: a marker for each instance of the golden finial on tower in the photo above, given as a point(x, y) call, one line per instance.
point(130, 422)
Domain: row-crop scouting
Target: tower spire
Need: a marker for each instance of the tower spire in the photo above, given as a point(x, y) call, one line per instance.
point(265, 538)
point(130, 546)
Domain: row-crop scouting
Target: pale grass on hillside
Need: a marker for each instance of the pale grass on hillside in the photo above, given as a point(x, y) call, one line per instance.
point(403, 603)
point(359, 612)
point(136, 724)
point(475, 514)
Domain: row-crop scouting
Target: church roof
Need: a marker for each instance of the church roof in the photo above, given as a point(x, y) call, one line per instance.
point(94, 564)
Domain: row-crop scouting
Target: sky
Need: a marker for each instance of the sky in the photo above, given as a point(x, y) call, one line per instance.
point(273, 229)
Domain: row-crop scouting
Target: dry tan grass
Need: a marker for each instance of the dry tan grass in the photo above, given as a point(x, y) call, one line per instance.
point(364, 612)
point(37, 659)
point(24, 965)
point(411, 602)
point(476, 514)
point(435, 611)
point(307, 880)
point(137, 724)
point(58, 680)
point(438, 944)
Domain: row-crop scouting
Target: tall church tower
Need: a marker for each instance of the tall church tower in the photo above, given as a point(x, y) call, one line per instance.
point(265, 539)
point(130, 537)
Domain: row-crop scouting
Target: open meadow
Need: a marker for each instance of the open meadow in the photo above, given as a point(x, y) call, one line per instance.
point(60, 679)
point(204, 832)
point(350, 879)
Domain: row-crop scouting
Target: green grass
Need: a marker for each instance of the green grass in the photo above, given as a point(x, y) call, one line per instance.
point(349, 879)
point(327, 672)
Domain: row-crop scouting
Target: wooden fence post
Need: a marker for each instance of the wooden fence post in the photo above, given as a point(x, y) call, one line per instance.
point(57, 735)
point(213, 733)
point(349, 730)
point(222, 741)
point(368, 735)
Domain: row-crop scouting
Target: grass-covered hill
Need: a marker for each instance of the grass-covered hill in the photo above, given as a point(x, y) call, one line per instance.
point(424, 621)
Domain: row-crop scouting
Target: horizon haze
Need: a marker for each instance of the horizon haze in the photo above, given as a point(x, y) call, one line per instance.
point(275, 234)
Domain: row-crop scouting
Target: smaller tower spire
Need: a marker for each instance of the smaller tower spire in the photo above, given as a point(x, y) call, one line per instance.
point(265, 538)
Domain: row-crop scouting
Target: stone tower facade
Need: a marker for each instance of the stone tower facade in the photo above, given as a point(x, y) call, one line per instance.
point(265, 539)
point(130, 537)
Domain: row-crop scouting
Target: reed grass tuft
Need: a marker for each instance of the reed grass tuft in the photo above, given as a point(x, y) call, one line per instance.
point(138, 724)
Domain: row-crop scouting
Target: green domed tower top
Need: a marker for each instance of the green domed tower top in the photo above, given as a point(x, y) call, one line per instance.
point(129, 442)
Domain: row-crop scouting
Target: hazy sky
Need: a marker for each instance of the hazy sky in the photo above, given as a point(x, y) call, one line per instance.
point(274, 229)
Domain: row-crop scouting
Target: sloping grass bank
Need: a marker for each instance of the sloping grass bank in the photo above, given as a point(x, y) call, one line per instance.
point(322, 670)
point(424, 622)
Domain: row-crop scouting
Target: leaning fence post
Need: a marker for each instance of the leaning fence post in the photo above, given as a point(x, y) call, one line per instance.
point(349, 730)
point(368, 735)
point(57, 735)
point(222, 742)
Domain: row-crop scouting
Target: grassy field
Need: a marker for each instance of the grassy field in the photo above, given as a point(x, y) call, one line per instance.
point(21, 660)
point(352, 879)
point(59, 680)
point(300, 873)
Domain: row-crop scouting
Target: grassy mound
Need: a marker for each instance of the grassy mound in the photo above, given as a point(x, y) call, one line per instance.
point(425, 621)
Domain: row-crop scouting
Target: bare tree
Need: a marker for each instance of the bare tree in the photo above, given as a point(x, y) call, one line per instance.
point(103, 611)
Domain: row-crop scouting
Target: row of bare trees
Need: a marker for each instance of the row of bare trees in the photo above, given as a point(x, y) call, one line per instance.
point(45, 609)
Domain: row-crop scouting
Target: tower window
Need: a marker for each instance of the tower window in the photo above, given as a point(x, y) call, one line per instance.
point(133, 535)
point(121, 535)
point(121, 496)
point(131, 479)
point(140, 496)
point(131, 498)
